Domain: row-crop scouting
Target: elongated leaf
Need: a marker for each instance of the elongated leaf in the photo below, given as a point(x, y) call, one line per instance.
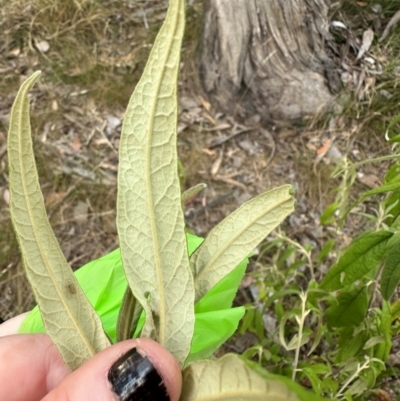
point(149, 214)
point(351, 309)
point(230, 379)
point(189, 193)
point(237, 235)
point(391, 272)
point(364, 254)
point(221, 296)
point(387, 187)
point(383, 349)
point(128, 317)
point(68, 316)
point(103, 281)
point(301, 393)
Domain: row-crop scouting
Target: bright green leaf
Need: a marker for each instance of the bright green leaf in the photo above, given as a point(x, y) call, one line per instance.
point(385, 328)
point(237, 235)
point(223, 293)
point(364, 254)
point(328, 216)
point(211, 330)
point(68, 316)
point(149, 215)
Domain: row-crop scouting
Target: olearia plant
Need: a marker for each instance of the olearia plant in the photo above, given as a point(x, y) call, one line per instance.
point(150, 287)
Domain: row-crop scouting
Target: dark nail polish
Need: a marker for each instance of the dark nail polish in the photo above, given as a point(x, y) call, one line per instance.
point(1, 320)
point(134, 378)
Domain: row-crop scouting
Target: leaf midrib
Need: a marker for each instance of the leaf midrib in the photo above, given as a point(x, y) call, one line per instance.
point(148, 169)
point(237, 235)
point(38, 243)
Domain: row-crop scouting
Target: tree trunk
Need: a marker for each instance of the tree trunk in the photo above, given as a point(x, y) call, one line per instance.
point(267, 58)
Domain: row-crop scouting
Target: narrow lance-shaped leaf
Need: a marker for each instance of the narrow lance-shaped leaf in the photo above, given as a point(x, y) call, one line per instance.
point(230, 379)
point(149, 214)
point(186, 195)
point(130, 310)
point(68, 316)
point(387, 187)
point(128, 316)
point(391, 272)
point(383, 349)
point(237, 235)
point(364, 254)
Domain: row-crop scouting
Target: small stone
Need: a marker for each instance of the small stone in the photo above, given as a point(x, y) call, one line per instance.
point(43, 46)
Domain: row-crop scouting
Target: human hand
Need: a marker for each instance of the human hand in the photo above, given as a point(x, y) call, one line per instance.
point(31, 369)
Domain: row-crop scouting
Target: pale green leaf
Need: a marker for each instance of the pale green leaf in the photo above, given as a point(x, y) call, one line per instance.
point(301, 393)
point(237, 235)
point(68, 316)
point(149, 215)
point(189, 193)
point(385, 328)
point(229, 379)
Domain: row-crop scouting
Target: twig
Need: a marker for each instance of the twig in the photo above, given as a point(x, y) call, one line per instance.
point(210, 205)
point(268, 135)
point(395, 19)
point(219, 141)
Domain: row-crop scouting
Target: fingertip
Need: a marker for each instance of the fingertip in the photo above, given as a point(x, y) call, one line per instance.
point(132, 370)
point(165, 364)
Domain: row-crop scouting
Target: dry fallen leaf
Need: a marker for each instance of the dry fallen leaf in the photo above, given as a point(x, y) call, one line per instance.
point(370, 180)
point(368, 37)
point(217, 164)
point(395, 19)
point(205, 104)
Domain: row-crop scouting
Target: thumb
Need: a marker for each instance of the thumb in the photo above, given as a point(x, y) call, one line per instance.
point(132, 370)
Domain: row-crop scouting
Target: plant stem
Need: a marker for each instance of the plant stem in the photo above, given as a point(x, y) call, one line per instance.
point(302, 250)
point(365, 365)
point(300, 320)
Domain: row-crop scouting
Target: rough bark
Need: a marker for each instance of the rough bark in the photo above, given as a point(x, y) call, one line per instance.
point(267, 58)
